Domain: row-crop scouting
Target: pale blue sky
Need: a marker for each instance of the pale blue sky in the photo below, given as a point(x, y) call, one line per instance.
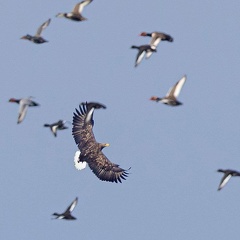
point(174, 153)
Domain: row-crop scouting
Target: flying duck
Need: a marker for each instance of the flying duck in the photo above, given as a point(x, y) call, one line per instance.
point(76, 14)
point(56, 126)
point(90, 150)
point(24, 103)
point(226, 177)
point(67, 214)
point(37, 37)
point(157, 37)
point(171, 97)
point(142, 50)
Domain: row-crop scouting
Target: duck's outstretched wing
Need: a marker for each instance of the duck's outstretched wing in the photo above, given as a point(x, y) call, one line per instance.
point(224, 180)
point(72, 206)
point(176, 89)
point(140, 56)
point(78, 8)
point(23, 107)
point(43, 26)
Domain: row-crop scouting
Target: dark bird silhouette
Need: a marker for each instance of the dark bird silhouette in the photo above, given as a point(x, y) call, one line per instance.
point(171, 97)
point(76, 14)
point(142, 50)
point(37, 37)
point(56, 126)
point(226, 177)
point(90, 150)
point(67, 214)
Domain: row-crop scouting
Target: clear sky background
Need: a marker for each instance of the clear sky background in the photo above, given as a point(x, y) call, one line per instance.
point(173, 153)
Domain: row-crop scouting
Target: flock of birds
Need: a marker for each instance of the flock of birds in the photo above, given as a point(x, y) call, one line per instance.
point(24, 103)
point(90, 151)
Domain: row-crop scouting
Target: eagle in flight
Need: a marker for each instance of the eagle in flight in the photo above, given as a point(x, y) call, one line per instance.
point(90, 150)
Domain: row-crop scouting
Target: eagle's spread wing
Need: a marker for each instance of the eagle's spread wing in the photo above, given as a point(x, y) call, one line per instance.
point(106, 170)
point(82, 127)
point(90, 149)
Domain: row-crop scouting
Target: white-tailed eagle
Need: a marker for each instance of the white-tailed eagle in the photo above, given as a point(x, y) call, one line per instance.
point(90, 149)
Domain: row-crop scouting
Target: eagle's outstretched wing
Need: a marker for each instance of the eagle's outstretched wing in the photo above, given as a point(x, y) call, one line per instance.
point(106, 170)
point(82, 126)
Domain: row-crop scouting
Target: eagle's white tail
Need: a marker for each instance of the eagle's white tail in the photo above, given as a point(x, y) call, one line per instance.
point(79, 165)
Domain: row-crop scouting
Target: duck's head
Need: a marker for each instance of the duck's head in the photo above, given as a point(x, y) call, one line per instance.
point(143, 34)
point(154, 98)
point(26, 37)
point(13, 100)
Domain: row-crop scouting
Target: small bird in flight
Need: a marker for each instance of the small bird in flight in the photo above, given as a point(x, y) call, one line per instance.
point(67, 214)
point(226, 177)
point(76, 14)
point(37, 37)
point(171, 97)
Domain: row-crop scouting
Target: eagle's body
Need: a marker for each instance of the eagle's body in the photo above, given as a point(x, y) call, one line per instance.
point(90, 149)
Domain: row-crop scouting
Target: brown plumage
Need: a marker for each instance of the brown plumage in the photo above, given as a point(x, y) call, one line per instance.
point(91, 150)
